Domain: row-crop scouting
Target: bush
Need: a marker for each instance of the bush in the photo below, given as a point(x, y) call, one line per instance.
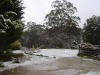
point(17, 55)
point(5, 56)
point(60, 45)
point(15, 46)
point(1, 64)
point(8, 55)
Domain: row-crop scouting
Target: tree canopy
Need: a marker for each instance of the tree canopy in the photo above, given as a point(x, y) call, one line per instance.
point(62, 15)
point(91, 32)
point(62, 21)
point(11, 26)
point(60, 31)
point(33, 35)
point(13, 6)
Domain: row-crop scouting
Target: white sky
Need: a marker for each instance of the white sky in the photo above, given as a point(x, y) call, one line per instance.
point(36, 10)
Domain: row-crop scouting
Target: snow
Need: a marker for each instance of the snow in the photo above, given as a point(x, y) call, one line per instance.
point(92, 73)
point(51, 53)
point(17, 51)
point(11, 65)
point(46, 52)
point(58, 52)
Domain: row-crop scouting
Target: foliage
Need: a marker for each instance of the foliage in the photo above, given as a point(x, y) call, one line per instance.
point(60, 31)
point(33, 35)
point(11, 26)
point(17, 55)
point(74, 45)
point(62, 15)
point(1, 64)
point(16, 45)
point(13, 6)
point(8, 55)
point(91, 31)
point(61, 22)
point(46, 38)
point(10, 31)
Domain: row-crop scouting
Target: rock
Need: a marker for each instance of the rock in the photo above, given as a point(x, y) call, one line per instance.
point(54, 57)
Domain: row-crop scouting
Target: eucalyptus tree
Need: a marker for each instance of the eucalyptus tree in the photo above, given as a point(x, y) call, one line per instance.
point(62, 15)
point(62, 20)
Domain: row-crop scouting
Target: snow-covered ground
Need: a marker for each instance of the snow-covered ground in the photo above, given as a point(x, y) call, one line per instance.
point(34, 59)
point(59, 53)
point(92, 73)
point(52, 59)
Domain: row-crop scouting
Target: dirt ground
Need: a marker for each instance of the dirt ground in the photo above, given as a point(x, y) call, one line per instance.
point(62, 66)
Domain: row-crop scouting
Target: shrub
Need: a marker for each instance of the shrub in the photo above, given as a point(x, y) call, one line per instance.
point(1, 64)
point(8, 55)
point(5, 56)
point(17, 55)
point(16, 45)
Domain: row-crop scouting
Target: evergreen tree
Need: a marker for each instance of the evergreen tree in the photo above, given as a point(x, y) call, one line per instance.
point(11, 26)
point(91, 32)
point(13, 6)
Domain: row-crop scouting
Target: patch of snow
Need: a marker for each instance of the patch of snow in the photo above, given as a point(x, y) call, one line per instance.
point(92, 73)
point(11, 65)
point(17, 51)
point(33, 59)
point(58, 52)
point(36, 51)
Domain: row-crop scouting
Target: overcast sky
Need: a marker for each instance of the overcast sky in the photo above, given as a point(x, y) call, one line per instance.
point(36, 10)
